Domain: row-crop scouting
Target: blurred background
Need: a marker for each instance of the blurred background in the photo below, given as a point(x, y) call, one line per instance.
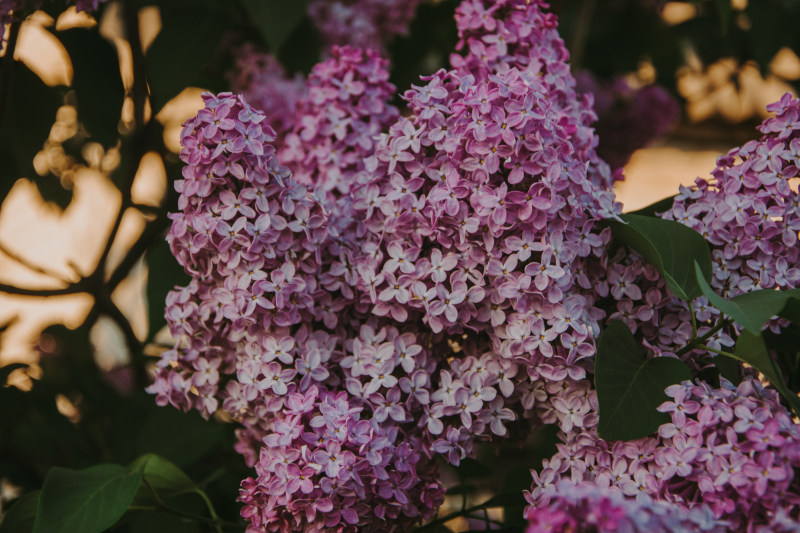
point(88, 155)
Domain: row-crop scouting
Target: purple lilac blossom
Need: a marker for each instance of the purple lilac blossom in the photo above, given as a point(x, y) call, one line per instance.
point(748, 212)
point(265, 85)
point(480, 209)
point(337, 122)
point(570, 507)
point(366, 24)
point(439, 288)
point(733, 450)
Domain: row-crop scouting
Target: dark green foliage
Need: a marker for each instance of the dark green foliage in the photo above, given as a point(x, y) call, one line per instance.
point(669, 246)
point(629, 386)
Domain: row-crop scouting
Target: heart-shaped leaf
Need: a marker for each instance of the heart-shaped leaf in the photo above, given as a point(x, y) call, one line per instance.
point(751, 310)
point(751, 349)
point(669, 246)
point(166, 479)
point(630, 387)
point(20, 518)
point(88, 501)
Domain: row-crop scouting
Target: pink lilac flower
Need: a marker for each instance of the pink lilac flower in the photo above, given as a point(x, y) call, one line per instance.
point(744, 477)
point(366, 24)
point(264, 83)
point(336, 123)
point(570, 507)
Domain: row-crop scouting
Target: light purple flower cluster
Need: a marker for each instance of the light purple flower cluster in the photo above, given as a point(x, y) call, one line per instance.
point(407, 294)
point(755, 250)
point(337, 122)
point(366, 24)
point(749, 211)
point(264, 84)
point(628, 118)
point(266, 262)
point(480, 215)
point(569, 507)
point(734, 450)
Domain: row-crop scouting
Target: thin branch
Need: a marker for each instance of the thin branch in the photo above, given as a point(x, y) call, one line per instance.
point(74, 288)
point(152, 231)
point(698, 341)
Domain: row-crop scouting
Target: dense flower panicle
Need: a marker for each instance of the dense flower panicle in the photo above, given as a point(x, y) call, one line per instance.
point(479, 211)
point(336, 124)
point(269, 316)
point(366, 24)
point(734, 450)
point(629, 118)
point(569, 507)
point(419, 283)
point(749, 211)
point(264, 84)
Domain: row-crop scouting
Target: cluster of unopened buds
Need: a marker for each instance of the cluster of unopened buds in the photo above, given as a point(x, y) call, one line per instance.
point(413, 283)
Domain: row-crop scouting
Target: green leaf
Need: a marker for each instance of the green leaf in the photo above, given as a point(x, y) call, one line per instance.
point(97, 82)
point(751, 310)
point(177, 57)
point(276, 19)
point(629, 386)
point(728, 368)
point(180, 437)
point(163, 477)
point(20, 517)
point(164, 273)
point(751, 349)
point(85, 501)
point(669, 246)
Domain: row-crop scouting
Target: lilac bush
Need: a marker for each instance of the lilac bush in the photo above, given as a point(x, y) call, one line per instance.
point(375, 291)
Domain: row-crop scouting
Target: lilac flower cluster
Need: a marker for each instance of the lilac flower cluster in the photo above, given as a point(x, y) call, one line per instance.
point(404, 295)
point(366, 24)
point(702, 459)
point(337, 122)
point(264, 84)
point(255, 240)
point(628, 118)
point(480, 213)
point(733, 450)
point(569, 507)
point(267, 259)
point(749, 211)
